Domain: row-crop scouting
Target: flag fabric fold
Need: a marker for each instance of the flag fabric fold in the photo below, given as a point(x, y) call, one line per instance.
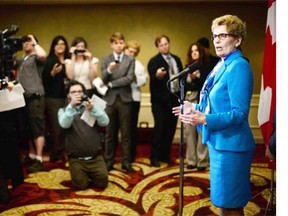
point(267, 101)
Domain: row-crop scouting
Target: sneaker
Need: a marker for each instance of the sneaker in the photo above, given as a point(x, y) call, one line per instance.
point(26, 160)
point(35, 167)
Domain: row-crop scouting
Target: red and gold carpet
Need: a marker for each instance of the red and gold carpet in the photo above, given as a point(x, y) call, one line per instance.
point(149, 191)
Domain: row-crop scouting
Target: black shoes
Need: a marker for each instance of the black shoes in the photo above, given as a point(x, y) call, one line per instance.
point(128, 167)
point(5, 195)
point(201, 168)
point(35, 167)
point(109, 166)
point(155, 163)
point(190, 166)
point(193, 167)
point(168, 161)
point(26, 160)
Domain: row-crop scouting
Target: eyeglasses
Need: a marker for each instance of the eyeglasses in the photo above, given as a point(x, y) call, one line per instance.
point(74, 92)
point(222, 36)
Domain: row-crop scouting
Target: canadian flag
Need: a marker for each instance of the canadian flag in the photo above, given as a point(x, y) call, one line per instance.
point(267, 101)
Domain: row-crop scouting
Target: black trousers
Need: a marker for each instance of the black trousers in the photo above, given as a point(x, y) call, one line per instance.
point(164, 130)
point(134, 127)
point(10, 163)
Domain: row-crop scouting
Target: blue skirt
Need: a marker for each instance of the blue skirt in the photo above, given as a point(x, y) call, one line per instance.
point(230, 178)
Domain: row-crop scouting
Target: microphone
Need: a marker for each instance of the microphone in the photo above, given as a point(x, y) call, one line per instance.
point(191, 68)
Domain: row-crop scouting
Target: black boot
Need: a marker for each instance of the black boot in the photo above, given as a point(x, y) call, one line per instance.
point(5, 195)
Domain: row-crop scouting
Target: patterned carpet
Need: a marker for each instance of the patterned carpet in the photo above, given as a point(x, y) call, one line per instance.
point(149, 191)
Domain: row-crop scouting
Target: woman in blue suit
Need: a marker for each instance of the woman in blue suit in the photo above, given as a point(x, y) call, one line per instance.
point(222, 116)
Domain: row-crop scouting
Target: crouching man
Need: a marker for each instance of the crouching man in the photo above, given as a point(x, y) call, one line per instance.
point(83, 145)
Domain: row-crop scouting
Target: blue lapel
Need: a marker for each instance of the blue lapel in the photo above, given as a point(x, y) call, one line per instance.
point(227, 61)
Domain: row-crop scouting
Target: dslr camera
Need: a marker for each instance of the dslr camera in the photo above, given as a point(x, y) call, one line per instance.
point(84, 98)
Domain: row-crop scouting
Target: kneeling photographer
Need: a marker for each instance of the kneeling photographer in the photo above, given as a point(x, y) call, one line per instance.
point(82, 141)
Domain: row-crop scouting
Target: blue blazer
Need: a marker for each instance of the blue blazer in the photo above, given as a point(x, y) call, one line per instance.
point(230, 98)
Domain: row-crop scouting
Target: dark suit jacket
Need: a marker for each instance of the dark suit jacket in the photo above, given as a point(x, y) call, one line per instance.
point(158, 89)
point(120, 79)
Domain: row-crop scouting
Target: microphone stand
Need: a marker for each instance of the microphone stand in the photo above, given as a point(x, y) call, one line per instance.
point(181, 151)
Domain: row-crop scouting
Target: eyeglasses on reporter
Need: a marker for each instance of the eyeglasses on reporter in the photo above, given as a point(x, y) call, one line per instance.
point(74, 92)
point(222, 36)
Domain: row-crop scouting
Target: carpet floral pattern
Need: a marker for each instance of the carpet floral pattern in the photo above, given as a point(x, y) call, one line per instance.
point(148, 191)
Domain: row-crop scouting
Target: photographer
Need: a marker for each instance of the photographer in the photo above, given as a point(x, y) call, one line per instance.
point(82, 66)
point(54, 79)
point(83, 145)
point(30, 68)
point(10, 164)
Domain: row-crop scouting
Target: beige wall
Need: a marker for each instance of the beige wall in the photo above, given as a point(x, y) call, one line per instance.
point(182, 22)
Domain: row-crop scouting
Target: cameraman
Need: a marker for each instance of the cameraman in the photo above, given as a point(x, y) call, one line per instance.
point(10, 164)
point(30, 68)
point(83, 145)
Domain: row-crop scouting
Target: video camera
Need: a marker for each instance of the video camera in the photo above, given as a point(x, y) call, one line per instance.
point(76, 51)
point(9, 44)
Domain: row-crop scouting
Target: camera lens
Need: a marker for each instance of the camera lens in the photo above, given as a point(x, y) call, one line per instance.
point(84, 98)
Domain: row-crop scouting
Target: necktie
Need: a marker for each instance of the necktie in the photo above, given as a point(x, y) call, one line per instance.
point(117, 59)
point(174, 84)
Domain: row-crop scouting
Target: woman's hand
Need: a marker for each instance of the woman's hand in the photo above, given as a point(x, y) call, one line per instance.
point(193, 118)
point(72, 50)
point(87, 54)
point(56, 69)
point(188, 107)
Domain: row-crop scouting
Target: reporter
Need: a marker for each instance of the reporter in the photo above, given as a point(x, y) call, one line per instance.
point(132, 49)
point(54, 78)
point(83, 145)
point(30, 68)
point(10, 163)
point(222, 116)
point(82, 66)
